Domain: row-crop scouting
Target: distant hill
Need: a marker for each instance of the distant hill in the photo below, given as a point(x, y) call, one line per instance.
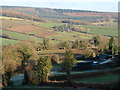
point(67, 14)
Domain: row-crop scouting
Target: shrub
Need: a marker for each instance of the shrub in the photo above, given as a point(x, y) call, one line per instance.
point(89, 53)
point(55, 59)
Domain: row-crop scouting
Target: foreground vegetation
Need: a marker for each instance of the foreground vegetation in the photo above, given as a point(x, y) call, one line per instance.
point(25, 58)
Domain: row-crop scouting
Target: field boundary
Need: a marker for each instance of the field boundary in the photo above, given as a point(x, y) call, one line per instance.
point(85, 75)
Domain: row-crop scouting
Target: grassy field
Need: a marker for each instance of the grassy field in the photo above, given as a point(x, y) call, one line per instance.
point(59, 51)
point(112, 31)
point(7, 42)
point(44, 30)
point(101, 79)
point(19, 36)
point(49, 24)
point(15, 35)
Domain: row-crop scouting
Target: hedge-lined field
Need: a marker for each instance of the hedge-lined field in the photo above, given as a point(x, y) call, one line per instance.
point(25, 29)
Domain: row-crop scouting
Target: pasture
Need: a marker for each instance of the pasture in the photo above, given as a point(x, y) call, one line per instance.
point(22, 29)
point(60, 51)
point(110, 31)
point(49, 24)
point(7, 42)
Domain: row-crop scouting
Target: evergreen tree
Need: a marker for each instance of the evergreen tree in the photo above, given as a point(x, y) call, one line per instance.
point(76, 44)
point(65, 45)
point(111, 44)
point(83, 44)
point(43, 69)
point(96, 40)
point(46, 44)
point(68, 63)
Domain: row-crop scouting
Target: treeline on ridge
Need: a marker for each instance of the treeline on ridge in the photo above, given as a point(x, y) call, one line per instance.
point(81, 15)
point(11, 13)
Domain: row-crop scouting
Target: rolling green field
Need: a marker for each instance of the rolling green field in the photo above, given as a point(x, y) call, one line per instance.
point(15, 35)
point(45, 30)
point(19, 36)
point(49, 24)
point(111, 31)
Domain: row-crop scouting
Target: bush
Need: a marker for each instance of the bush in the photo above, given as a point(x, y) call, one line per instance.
point(65, 45)
point(89, 53)
point(55, 59)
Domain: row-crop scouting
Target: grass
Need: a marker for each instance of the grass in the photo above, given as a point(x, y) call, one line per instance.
point(19, 36)
point(100, 79)
point(51, 51)
point(15, 35)
point(74, 72)
point(7, 41)
point(43, 30)
point(57, 51)
point(13, 18)
point(71, 36)
point(113, 31)
point(49, 24)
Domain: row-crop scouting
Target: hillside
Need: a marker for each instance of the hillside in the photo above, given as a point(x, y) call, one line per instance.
point(22, 23)
point(80, 15)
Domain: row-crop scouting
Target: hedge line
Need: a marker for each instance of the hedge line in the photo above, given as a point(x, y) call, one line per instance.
point(85, 75)
point(108, 86)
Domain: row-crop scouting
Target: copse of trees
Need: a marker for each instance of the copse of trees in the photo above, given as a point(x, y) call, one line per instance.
point(83, 44)
point(80, 44)
point(74, 22)
point(11, 13)
point(109, 47)
point(65, 45)
point(14, 57)
point(62, 28)
point(46, 44)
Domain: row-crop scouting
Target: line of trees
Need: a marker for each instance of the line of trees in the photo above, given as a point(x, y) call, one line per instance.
point(11, 13)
